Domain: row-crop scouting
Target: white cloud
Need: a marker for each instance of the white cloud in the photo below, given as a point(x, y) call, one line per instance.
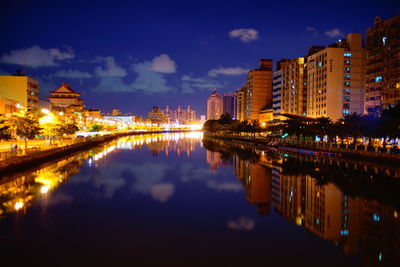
point(312, 30)
point(191, 84)
point(163, 64)
point(150, 76)
point(112, 84)
point(60, 55)
point(242, 224)
point(244, 35)
point(191, 79)
point(227, 71)
point(334, 33)
point(148, 81)
point(112, 69)
point(73, 74)
point(36, 56)
point(162, 192)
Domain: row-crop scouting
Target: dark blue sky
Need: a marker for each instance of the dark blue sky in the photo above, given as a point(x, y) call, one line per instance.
point(135, 54)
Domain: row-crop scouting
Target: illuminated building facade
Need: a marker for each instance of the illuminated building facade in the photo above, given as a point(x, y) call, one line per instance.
point(180, 115)
point(336, 79)
point(293, 89)
point(277, 83)
point(157, 116)
point(383, 64)
point(19, 89)
point(239, 104)
point(66, 99)
point(214, 106)
point(258, 90)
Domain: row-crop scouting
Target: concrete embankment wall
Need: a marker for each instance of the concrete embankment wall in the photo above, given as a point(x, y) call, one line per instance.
point(20, 163)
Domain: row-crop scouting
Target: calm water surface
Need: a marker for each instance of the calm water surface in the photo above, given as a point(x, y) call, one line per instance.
point(175, 200)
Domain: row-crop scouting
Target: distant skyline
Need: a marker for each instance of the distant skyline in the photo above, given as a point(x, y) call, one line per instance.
point(132, 56)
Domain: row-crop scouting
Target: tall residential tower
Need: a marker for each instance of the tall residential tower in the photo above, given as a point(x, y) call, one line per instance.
point(214, 106)
point(336, 79)
point(383, 64)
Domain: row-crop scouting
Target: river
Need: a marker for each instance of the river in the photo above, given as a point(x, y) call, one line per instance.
point(178, 200)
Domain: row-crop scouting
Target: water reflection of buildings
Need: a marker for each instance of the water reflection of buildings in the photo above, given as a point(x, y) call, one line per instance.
point(166, 142)
point(256, 180)
point(18, 191)
point(354, 223)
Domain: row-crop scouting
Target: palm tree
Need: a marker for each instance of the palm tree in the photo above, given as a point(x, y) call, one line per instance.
point(354, 125)
point(323, 127)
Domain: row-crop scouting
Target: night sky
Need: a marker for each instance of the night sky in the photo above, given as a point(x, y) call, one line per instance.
point(132, 55)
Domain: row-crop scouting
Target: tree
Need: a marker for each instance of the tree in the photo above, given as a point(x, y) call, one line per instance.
point(354, 125)
point(391, 121)
point(255, 127)
point(372, 127)
point(323, 127)
point(25, 125)
point(68, 128)
point(95, 128)
point(5, 131)
point(51, 130)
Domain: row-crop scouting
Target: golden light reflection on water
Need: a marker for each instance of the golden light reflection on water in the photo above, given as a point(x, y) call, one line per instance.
point(18, 191)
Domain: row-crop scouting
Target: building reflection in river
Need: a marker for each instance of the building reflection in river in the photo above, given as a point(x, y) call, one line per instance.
point(18, 191)
point(355, 223)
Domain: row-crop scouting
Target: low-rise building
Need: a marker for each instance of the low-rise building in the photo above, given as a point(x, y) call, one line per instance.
point(20, 89)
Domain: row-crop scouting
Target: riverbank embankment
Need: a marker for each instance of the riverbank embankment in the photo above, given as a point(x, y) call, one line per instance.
point(20, 162)
point(293, 145)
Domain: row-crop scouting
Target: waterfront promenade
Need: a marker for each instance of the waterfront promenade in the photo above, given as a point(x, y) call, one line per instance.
point(338, 149)
point(14, 159)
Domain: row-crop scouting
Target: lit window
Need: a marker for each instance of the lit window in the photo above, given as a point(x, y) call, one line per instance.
point(384, 40)
point(347, 54)
point(378, 79)
point(344, 232)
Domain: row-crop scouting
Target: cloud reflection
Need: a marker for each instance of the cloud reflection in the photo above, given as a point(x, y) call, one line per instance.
point(162, 192)
point(243, 223)
point(59, 198)
point(228, 186)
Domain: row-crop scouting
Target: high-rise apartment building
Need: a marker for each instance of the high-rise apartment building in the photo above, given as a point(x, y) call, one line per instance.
point(277, 82)
point(258, 90)
point(239, 104)
point(228, 104)
point(383, 64)
point(214, 106)
point(294, 89)
point(20, 89)
point(336, 79)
